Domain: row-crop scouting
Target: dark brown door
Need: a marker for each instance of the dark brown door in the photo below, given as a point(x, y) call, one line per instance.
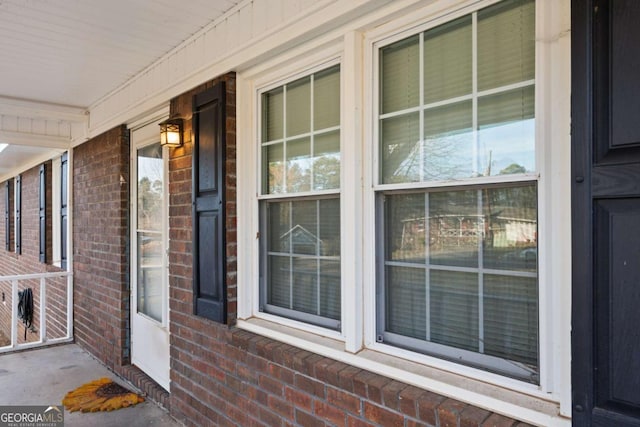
point(606, 212)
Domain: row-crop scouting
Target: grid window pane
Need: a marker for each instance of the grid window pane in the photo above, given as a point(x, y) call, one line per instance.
point(329, 220)
point(400, 148)
point(305, 285)
point(506, 43)
point(406, 296)
point(454, 309)
point(512, 229)
point(300, 229)
point(453, 260)
point(448, 145)
point(273, 168)
point(279, 281)
point(511, 318)
point(456, 228)
point(273, 115)
point(453, 129)
point(298, 165)
point(400, 64)
point(326, 161)
point(298, 100)
point(448, 61)
point(305, 156)
point(329, 277)
point(326, 98)
point(507, 132)
point(406, 228)
point(303, 257)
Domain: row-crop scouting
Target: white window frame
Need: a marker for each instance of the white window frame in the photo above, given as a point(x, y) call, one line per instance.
point(263, 82)
point(356, 343)
point(285, 196)
point(375, 45)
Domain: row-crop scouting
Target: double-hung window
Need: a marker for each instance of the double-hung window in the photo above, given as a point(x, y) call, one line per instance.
point(300, 199)
point(456, 191)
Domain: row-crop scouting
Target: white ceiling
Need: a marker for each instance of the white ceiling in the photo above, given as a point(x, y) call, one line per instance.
point(73, 52)
point(62, 53)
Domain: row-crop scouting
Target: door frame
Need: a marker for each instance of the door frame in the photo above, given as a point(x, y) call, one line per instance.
point(148, 133)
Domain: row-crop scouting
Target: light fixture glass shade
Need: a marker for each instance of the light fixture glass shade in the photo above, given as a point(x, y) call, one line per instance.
point(171, 133)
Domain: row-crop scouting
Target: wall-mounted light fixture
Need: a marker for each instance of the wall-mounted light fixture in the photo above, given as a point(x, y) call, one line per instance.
point(171, 133)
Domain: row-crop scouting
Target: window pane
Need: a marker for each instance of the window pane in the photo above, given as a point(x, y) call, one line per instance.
point(406, 232)
point(447, 61)
point(150, 270)
point(273, 168)
point(303, 235)
point(406, 301)
point(400, 149)
point(279, 281)
point(512, 228)
point(330, 304)
point(326, 161)
point(400, 70)
point(298, 165)
point(329, 219)
point(507, 132)
point(448, 146)
point(299, 107)
point(305, 278)
point(454, 309)
point(326, 98)
point(300, 236)
point(272, 115)
point(150, 188)
point(506, 43)
point(305, 285)
point(454, 257)
point(511, 318)
point(456, 228)
point(279, 225)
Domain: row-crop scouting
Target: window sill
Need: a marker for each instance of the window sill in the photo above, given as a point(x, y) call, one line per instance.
point(529, 404)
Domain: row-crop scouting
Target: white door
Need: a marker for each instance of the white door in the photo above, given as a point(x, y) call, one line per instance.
point(149, 245)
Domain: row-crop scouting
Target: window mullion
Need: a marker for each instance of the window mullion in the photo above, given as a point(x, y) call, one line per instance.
point(474, 91)
point(427, 231)
point(284, 139)
point(421, 140)
point(480, 277)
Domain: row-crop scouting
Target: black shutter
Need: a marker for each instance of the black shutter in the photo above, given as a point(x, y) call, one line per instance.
point(7, 215)
point(18, 214)
point(64, 179)
point(42, 217)
point(209, 284)
point(605, 212)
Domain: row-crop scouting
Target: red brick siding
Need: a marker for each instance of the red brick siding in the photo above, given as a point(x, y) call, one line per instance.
point(28, 262)
point(100, 242)
point(221, 375)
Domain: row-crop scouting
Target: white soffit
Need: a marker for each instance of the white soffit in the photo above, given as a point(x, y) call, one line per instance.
point(72, 52)
point(61, 56)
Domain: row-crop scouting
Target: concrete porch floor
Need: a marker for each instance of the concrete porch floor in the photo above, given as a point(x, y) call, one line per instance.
point(44, 376)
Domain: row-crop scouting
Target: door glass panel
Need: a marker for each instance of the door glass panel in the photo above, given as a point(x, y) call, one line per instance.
point(150, 247)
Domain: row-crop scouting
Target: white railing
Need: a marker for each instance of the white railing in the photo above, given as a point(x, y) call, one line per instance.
point(40, 313)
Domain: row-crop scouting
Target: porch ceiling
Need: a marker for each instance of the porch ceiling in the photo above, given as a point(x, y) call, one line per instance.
point(61, 56)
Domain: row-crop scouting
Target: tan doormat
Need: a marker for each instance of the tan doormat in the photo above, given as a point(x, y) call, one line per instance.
point(100, 395)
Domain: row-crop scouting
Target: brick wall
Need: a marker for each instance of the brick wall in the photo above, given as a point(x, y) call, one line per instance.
point(221, 375)
point(100, 243)
point(28, 261)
